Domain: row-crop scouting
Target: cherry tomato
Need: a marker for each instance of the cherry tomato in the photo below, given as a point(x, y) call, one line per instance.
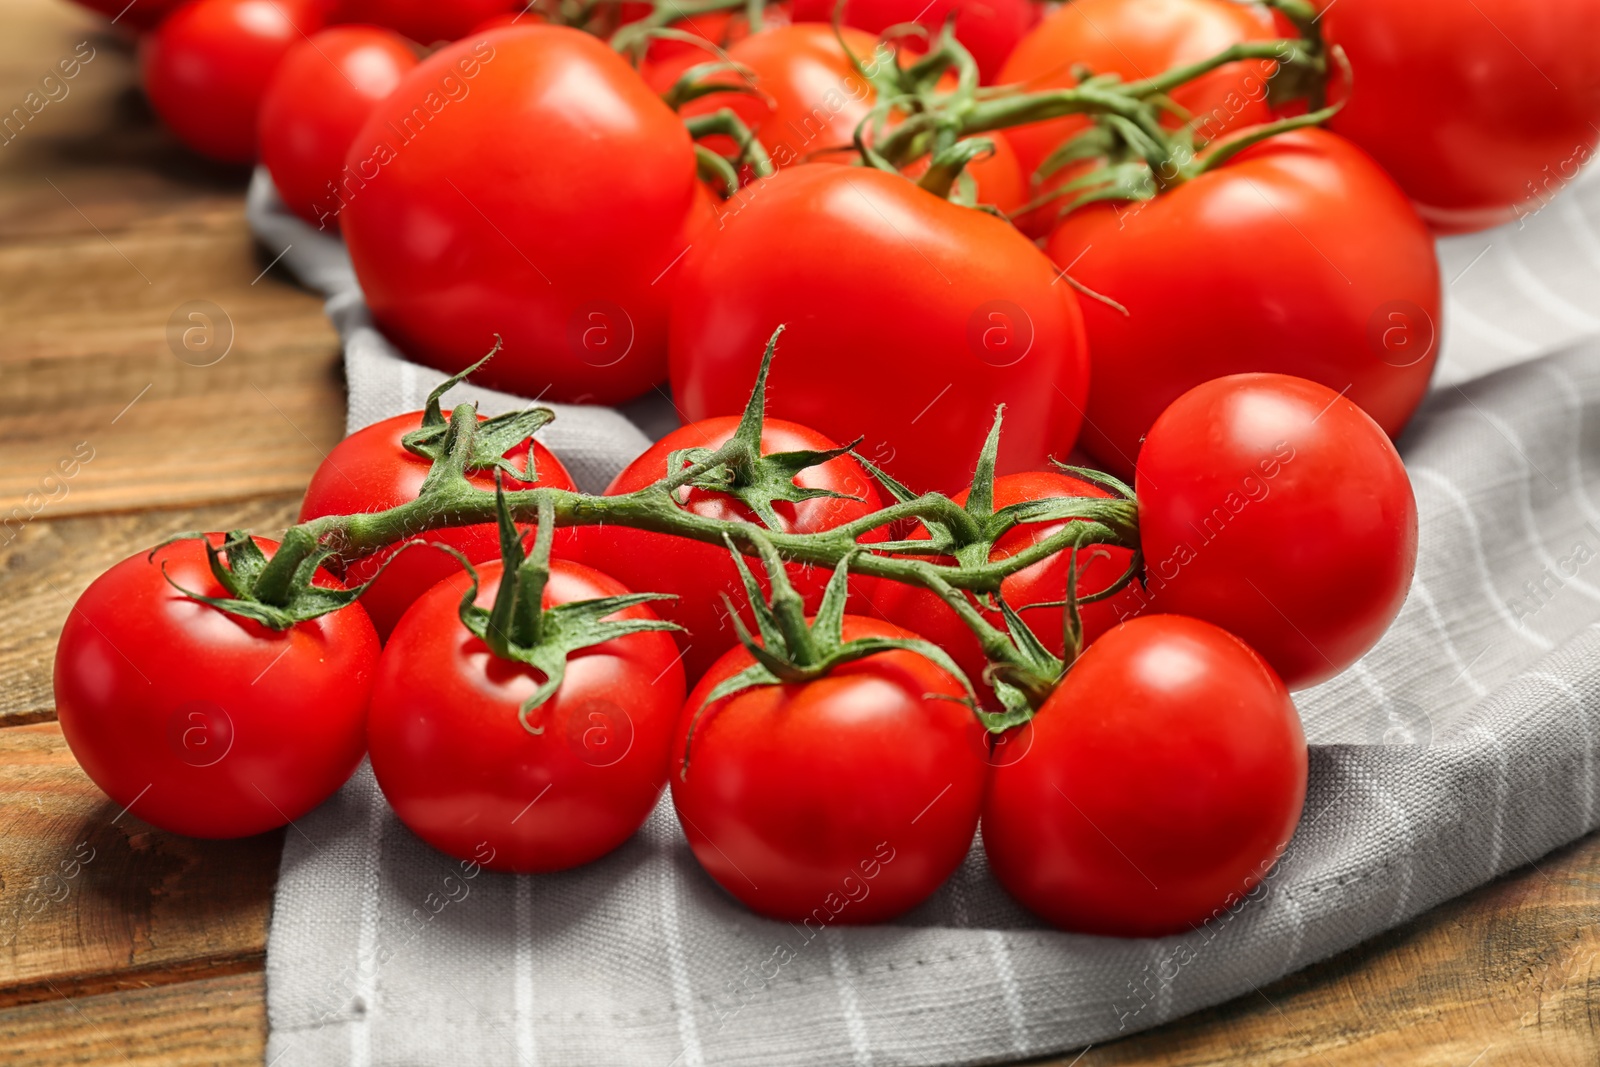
point(371, 471)
point(989, 29)
point(846, 799)
point(207, 67)
point(462, 772)
point(700, 574)
point(322, 92)
point(1156, 786)
point(1044, 583)
point(1480, 109)
point(1140, 39)
point(1314, 265)
point(909, 319)
point(204, 723)
point(426, 21)
point(1278, 510)
point(141, 16)
point(524, 182)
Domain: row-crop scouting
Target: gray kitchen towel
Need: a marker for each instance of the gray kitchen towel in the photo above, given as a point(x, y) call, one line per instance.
point(1464, 745)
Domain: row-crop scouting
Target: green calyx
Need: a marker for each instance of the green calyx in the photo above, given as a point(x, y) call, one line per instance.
point(468, 445)
point(518, 627)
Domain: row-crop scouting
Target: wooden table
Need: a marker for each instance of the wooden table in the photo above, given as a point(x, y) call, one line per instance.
point(152, 951)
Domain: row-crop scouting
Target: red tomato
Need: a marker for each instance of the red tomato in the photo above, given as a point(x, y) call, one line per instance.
point(1278, 510)
point(425, 21)
point(1155, 788)
point(460, 770)
point(143, 15)
point(207, 68)
point(1140, 39)
point(699, 574)
point(909, 318)
point(322, 92)
point(1314, 265)
point(913, 607)
point(847, 799)
point(471, 230)
point(1480, 109)
point(371, 471)
point(200, 722)
point(989, 29)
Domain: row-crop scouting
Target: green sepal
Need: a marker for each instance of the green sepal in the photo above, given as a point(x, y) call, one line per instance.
point(694, 84)
point(434, 439)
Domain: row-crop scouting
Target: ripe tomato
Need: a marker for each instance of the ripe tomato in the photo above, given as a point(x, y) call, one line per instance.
point(1278, 510)
point(142, 16)
point(371, 471)
point(1155, 787)
point(1140, 39)
point(700, 574)
point(524, 182)
point(915, 608)
point(322, 92)
point(989, 29)
point(200, 722)
point(909, 318)
point(1315, 265)
point(846, 799)
point(207, 67)
point(1480, 109)
point(460, 770)
point(424, 21)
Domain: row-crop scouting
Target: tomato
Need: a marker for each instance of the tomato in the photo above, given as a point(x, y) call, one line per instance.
point(460, 770)
point(142, 16)
point(909, 318)
point(1298, 256)
point(1154, 789)
point(1480, 109)
point(1278, 510)
point(1140, 39)
point(915, 608)
point(322, 92)
point(812, 99)
point(371, 471)
point(204, 723)
point(425, 21)
point(208, 66)
point(700, 574)
point(547, 202)
point(845, 799)
point(989, 29)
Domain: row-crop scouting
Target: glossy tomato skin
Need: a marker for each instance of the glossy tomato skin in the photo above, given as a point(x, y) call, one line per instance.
point(208, 65)
point(1278, 510)
point(424, 21)
point(460, 770)
point(465, 229)
point(699, 574)
point(989, 29)
point(318, 99)
point(909, 318)
point(1045, 582)
point(200, 722)
point(1140, 39)
point(1314, 265)
point(371, 471)
point(847, 799)
point(1480, 109)
point(1161, 782)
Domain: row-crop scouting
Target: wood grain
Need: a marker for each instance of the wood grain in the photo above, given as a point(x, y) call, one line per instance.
point(92, 899)
point(47, 563)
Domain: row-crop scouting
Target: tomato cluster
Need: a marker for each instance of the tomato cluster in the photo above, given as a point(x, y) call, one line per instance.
point(846, 617)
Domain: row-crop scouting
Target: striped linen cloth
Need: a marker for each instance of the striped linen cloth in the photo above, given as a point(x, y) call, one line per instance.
point(1463, 746)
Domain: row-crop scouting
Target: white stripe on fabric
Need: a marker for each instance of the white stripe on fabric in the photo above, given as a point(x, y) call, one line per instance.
point(1486, 331)
point(1502, 788)
point(1574, 402)
point(855, 1026)
point(1010, 995)
point(1475, 543)
point(678, 966)
point(1588, 747)
point(1390, 801)
point(367, 939)
point(1431, 607)
point(1542, 295)
point(522, 980)
point(1577, 224)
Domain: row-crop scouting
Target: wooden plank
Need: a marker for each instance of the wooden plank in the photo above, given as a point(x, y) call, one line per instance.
point(219, 1022)
point(46, 564)
point(93, 900)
